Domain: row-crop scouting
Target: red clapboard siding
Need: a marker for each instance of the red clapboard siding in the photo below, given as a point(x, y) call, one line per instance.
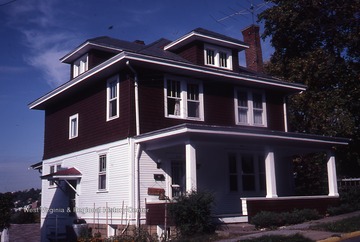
point(90, 104)
point(275, 111)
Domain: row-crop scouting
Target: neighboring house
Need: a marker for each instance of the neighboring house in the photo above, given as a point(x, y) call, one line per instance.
point(138, 123)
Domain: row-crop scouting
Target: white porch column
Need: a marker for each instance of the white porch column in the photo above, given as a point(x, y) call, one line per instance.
point(270, 174)
point(332, 178)
point(190, 153)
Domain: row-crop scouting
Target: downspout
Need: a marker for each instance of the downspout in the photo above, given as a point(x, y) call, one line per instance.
point(285, 114)
point(137, 183)
point(136, 89)
point(138, 146)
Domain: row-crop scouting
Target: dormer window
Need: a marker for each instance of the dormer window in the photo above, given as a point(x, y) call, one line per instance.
point(218, 57)
point(80, 65)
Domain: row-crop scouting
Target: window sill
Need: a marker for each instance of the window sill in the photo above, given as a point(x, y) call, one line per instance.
point(181, 118)
point(102, 191)
point(112, 118)
point(220, 67)
point(251, 125)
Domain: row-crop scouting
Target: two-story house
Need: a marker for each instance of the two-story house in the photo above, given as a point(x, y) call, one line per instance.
point(136, 123)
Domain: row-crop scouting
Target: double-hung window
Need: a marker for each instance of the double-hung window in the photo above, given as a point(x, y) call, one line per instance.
point(53, 169)
point(218, 57)
point(173, 97)
point(74, 126)
point(183, 98)
point(193, 100)
point(102, 172)
point(246, 172)
point(80, 65)
point(210, 56)
point(112, 109)
point(250, 107)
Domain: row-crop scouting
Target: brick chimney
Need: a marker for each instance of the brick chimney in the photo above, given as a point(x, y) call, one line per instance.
point(253, 55)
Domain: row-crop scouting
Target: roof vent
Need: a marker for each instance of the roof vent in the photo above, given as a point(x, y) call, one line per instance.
point(141, 42)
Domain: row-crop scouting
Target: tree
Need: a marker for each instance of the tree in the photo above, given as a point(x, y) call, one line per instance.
point(317, 43)
point(6, 204)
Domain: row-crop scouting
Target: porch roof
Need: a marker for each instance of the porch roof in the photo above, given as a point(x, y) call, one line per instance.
point(64, 174)
point(243, 135)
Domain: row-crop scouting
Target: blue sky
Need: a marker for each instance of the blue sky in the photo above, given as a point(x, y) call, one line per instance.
point(35, 34)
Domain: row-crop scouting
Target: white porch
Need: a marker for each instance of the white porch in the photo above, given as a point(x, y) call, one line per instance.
point(204, 152)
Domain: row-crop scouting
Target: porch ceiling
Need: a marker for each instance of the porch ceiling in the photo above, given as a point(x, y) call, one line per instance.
point(288, 142)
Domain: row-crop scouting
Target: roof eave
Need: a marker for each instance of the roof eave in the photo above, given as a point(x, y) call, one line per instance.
point(84, 48)
point(238, 132)
point(192, 36)
point(38, 103)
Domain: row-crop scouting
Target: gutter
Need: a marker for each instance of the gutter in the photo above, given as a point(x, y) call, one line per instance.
point(166, 63)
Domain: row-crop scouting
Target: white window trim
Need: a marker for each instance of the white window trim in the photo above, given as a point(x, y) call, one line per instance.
point(217, 51)
point(57, 167)
point(250, 113)
point(81, 65)
point(76, 118)
point(102, 173)
point(183, 98)
point(108, 90)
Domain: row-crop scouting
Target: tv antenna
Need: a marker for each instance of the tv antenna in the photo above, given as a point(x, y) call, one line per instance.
point(243, 11)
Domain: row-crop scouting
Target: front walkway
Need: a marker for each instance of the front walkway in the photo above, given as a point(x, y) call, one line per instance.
point(239, 232)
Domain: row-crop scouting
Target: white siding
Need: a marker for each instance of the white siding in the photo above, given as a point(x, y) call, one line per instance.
point(87, 162)
point(148, 168)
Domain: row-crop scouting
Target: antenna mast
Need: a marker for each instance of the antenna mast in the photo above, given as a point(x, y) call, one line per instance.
point(243, 11)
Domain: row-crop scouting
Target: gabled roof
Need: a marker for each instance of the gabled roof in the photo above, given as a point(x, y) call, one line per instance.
point(208, 37)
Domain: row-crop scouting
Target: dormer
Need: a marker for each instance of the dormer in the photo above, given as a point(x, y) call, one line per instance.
point(204, 47)
point(95, 51)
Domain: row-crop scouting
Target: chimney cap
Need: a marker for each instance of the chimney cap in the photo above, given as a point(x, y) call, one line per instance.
point(251, 26)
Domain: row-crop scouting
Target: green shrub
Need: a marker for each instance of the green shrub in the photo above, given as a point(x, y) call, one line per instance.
point(280, 238)
point(191, 214)
point(349, 202)
point(351, 197)
point(266, 219)
point(343, 208)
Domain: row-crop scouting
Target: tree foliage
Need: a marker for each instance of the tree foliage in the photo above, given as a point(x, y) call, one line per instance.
point(6, 204)
point(317, 43)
